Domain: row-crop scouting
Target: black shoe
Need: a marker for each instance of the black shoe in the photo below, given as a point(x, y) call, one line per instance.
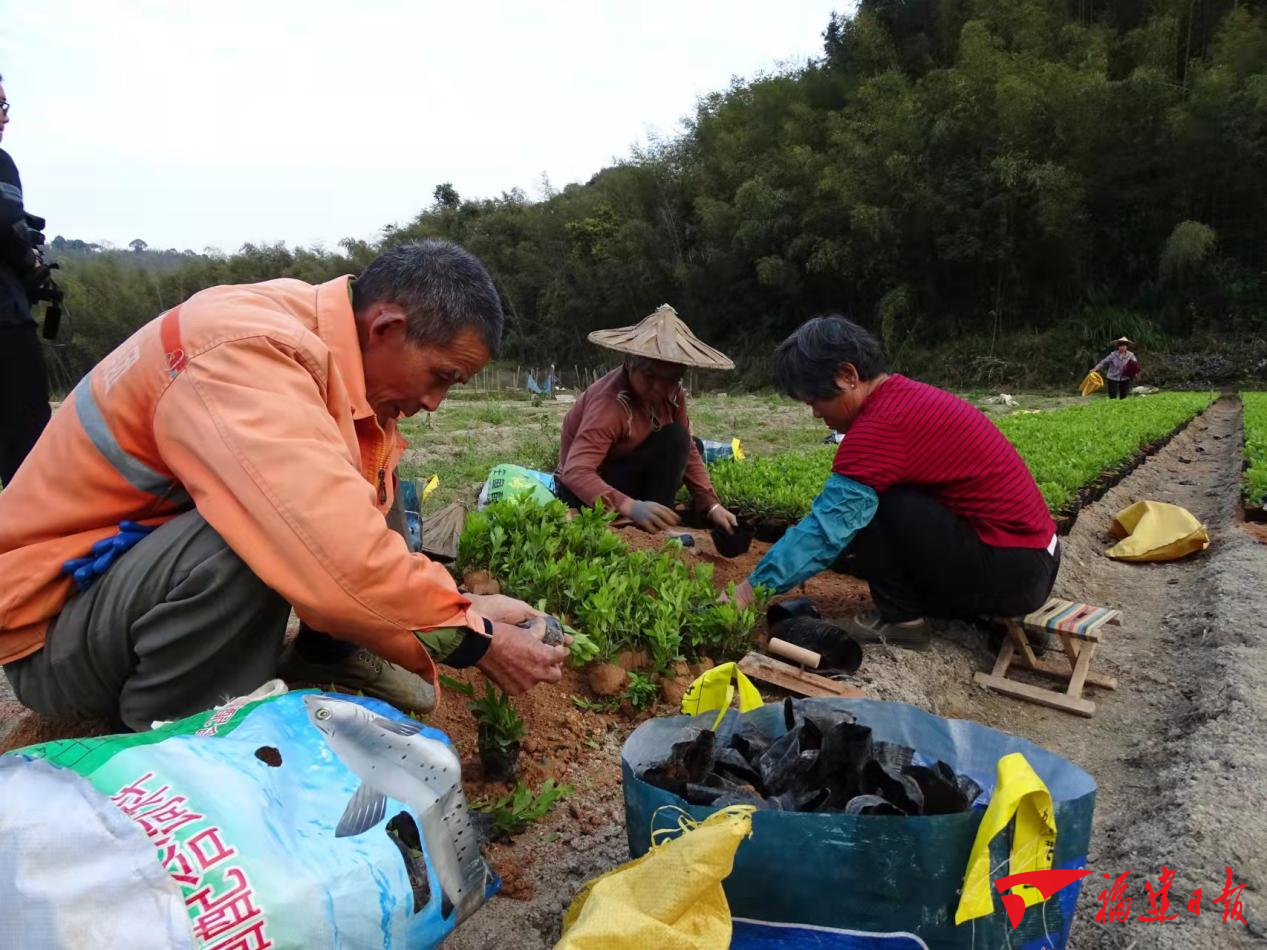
point(868, 627)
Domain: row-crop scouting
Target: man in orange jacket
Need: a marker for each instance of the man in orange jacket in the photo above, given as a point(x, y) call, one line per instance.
point(234, 459)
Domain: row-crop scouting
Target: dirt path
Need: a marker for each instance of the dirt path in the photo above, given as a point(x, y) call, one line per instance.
point(1178, 751)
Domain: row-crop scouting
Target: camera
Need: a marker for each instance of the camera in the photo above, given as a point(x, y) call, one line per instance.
point(37, 275)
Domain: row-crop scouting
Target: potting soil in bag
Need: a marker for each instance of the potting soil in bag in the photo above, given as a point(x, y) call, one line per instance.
point(505, 481)
point(302, 820)
point(877, 878)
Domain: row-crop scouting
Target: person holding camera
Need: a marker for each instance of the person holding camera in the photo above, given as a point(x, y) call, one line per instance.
point(24, 409)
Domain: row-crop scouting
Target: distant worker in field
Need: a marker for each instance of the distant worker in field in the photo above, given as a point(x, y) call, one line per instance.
point(24, 408)
point(939, 509)
point(232, 459)
point(627, 441)
point(1121, 367)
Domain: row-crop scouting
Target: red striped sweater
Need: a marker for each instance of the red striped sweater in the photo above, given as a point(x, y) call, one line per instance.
point(910, 433)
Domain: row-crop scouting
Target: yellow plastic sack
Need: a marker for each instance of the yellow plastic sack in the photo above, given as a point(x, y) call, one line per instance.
point(432, 484)
point(1156, 531)
point(1093, 383)
point(669, 898)
point(716, 688)
point(1020, 792)
point(737, 447)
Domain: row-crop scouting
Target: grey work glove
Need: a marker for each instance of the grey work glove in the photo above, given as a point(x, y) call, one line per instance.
point(651, 516)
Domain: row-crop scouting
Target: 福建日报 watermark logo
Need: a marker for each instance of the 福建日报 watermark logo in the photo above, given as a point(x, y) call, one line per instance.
point(1115, 905)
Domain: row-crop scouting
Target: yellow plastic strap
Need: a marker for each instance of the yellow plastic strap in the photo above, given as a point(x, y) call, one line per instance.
point(1020, 792)
point(686, 824)
point(717, 688)
point(737, 447)
point(432, 484)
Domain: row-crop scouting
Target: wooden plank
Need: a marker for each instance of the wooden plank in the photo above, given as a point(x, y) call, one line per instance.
point(1017, 633)
point(1082, 668)
point(793, 679)
point(1004, 659)
point(1059, 671)
point(1071, 651)
point(1036, 694)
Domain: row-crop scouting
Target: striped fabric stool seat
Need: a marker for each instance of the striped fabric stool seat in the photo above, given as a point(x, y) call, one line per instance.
point(1066, 616)
point(1081, 628)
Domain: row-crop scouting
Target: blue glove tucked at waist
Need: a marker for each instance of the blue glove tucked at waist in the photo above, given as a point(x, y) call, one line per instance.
point(85, 570)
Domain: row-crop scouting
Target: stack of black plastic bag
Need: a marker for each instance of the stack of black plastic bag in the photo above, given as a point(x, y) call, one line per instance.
point(825, 762)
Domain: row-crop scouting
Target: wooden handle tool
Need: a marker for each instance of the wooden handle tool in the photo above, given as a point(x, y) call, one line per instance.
point(790, 651)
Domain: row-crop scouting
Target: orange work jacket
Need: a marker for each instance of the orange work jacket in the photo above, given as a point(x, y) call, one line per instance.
point(247, 402)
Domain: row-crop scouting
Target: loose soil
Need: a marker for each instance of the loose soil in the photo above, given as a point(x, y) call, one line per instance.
point(1177, 751)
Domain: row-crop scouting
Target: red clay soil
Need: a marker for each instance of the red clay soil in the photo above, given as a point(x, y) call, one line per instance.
point(835, 594)
point(1256, 530)
point(570, 745)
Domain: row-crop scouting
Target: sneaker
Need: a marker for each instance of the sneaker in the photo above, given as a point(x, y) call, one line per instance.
point(363, 672)
point(868, 627)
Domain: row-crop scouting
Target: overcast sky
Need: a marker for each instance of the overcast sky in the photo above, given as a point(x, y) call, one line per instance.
point(210, 124)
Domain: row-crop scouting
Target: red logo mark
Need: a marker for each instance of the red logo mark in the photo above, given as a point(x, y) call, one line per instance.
point(1046, 882)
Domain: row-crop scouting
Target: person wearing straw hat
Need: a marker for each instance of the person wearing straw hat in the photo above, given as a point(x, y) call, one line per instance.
point(1121, 367)
point(627, 440)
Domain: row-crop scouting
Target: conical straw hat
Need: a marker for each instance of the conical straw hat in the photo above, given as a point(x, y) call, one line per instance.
point(663, 336)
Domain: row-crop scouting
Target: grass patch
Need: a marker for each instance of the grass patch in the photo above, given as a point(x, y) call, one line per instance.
point(470, 434)
point(1255, 421)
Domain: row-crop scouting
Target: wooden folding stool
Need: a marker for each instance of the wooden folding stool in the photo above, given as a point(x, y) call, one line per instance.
point(1080, 628)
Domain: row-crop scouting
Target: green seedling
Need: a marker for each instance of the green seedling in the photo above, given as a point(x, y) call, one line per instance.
point(448, 682)
point(642, 691)
point(500, 726)
point(608, 705)
point(613, 599)
point(513, 813)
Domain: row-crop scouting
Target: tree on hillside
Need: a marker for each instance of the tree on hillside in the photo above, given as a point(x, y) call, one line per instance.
point(949, 170)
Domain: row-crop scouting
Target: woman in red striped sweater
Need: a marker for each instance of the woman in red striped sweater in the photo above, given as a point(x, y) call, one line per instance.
point(940, 511)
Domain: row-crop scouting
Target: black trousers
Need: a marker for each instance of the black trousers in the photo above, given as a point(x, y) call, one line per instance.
point(1118, 388)
point(652, 472)
point(24, 409)
point(922, 560)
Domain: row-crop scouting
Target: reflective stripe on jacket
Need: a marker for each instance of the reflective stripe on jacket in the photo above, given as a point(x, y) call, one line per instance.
point(249, 402)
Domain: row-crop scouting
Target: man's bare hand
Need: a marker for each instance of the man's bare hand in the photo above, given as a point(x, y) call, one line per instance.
point(502, 609)
point(517, 660)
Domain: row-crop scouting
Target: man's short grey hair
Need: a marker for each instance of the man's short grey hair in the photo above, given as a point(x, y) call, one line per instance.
point(806, 363)
point(442, 288)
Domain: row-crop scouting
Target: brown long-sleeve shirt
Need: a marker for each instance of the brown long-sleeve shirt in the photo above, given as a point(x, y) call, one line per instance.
point(609, 422)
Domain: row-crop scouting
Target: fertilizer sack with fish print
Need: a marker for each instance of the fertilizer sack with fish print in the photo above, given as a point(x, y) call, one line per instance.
point(300, 820)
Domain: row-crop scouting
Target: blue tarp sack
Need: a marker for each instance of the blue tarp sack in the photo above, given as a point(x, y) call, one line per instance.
point(298, 820)
point(711, 451)
point(840, 881)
